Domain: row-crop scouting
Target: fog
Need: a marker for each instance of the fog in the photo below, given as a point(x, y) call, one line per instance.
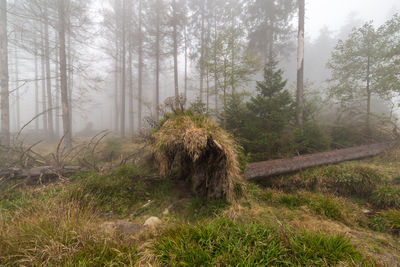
point(92, 49)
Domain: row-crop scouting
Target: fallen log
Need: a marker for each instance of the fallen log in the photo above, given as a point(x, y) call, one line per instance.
point(37, 174)
point(284, 166)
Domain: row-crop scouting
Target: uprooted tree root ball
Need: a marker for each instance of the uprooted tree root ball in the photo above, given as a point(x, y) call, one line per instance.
point(200, 153)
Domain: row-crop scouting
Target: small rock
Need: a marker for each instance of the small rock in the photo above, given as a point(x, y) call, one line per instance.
point(152, 221)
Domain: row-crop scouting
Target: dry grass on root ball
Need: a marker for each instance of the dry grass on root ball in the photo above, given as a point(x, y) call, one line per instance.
point(201, 152)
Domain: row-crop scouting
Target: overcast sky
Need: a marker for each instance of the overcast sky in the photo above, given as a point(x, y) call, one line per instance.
point(334, 13)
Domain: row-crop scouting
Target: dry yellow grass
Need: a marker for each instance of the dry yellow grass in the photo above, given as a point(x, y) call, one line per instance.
point(200, 149)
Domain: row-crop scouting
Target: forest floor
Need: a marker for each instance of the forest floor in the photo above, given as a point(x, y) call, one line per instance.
point(343, 215)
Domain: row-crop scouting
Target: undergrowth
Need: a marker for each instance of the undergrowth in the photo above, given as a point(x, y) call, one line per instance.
point(223, 242)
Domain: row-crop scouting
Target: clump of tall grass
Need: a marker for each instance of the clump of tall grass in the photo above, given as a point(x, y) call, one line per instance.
point(228, 243)
point(386, 197)
point(201, 151)
point(59, 234)
point(343, 180)
point(387, 221)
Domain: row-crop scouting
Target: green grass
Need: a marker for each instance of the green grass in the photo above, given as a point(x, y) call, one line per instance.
point(56, 234)
point(227, 243)
point(387, 221)
point(386, 197)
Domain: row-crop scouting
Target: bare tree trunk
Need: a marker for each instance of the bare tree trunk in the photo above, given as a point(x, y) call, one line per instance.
point(42, 62)
point(36, 85)
point(175, 40)
point(140, 67)
point(202, 51)
point(368, 119)
point(215, 62)
point(300, 65)
point(5, 108)
point(116, 74)
point(70, 65)
point(17, 97)
point(130, 72)
point(158, 52)
point(186, 65)
point(58, 104)
point(123, 65)
point(48, 76)
point(63, 75)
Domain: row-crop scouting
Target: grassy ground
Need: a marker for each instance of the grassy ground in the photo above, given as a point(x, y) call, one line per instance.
point(344, 215)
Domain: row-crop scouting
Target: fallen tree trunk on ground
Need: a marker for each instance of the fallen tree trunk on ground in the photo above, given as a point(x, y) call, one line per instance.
point(36, 175)
point(283, 166)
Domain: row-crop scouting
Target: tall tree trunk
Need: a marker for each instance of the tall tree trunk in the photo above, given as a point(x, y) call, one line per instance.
point(232, 54)
point(130, 72)
point(70, 66)
point(175, 40)
point(140, 67)
point(116, 73)
point(36, 85)
point(43, 69)
point(123, 70)
point(58, 102)
point(5, 108)
point(158, 54)
point(48, 76)
point(63, 75)
point(186, 65)
point(215, 62)
point(368, 119)
point(17, 95)
point(300, 65)
point(202, 51)
point(225, 87)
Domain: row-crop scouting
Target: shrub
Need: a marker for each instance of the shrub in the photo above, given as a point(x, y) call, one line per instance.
point(311, 138)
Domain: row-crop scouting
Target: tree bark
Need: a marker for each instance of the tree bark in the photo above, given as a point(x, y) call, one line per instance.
point(175, 41)
point(43, 63)
point(158, 52)
point(202, 51)
point(140, 67)
point(58, 102)
point(5, 108)
point(215, 62)
point(186, 65)
point(116, 73)
point(48, 74)
point(269, 168)
point(123, 68)
point(130, 73)
point(300, 65)
point(368, 119)
point(36, 85)
point(17, 95)
point(70, 75)
point(63, 75)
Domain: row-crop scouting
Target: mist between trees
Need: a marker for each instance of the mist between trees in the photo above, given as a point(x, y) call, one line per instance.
point(73, 68)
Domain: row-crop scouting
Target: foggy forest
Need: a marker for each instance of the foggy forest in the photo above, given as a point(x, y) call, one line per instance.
point(199, 133)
